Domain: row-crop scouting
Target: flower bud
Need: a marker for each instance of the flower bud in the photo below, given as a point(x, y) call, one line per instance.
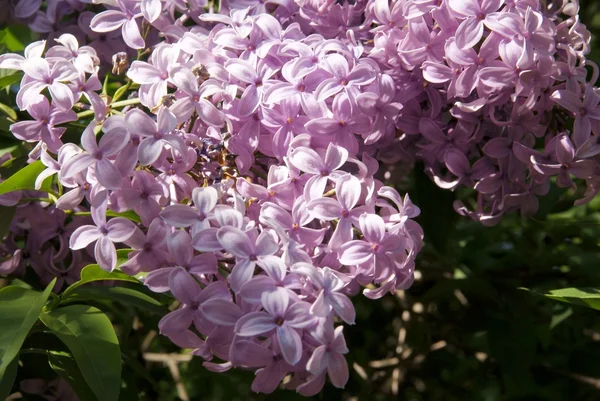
point(120, 63)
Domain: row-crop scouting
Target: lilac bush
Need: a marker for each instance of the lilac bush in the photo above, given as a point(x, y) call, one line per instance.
point(242, 170)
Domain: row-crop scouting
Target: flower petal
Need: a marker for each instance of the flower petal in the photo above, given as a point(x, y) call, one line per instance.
point(254, 324)
point(84, 236)
point(290, 344)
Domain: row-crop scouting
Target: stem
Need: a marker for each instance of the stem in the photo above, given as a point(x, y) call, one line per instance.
point(33, 351)
point(47, 200)
point(114, 105)
point(81, 213)
point(124, 103)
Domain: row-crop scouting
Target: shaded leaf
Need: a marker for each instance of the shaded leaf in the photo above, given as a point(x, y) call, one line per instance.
point(92, 273)
point(128, 296)
point(8, 111)
point(15, 37)
point(10, 80)
point(8, 377)
point(65, 366)
point(589, 297)
point(19, 310)
point(23, 179)
point(561, 317)
point(90, 337)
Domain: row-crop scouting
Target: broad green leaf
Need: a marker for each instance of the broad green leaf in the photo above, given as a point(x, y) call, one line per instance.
point(23, 179)
point(10, 80)
point(8, 378)
point(92, 273)
point(90, 337)
point(12, 166)
point(17, 36)
point(124, 295)
point(65, 366)
point(11, 40)
point(19, 310)
point(589, 297)
point(8, 111)
point(20, 283)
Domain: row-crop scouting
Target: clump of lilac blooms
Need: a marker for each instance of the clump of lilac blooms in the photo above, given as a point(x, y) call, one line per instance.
point(249, 150)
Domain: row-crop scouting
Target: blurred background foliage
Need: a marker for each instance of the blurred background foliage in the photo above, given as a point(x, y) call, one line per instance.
point(474, 326)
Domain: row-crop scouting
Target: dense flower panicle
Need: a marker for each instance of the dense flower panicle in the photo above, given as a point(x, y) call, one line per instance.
point(249, 153)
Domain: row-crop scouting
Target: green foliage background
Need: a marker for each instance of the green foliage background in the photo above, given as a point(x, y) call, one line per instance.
point(474, 326)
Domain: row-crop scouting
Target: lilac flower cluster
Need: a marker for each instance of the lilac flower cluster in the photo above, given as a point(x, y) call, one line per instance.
point(242, 169)
point(490, 90)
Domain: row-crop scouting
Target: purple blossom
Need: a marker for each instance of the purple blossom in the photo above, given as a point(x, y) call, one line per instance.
point(282, 316)
point(124, 18)
point(247, 253)
point(97, 155)
point(104, 234)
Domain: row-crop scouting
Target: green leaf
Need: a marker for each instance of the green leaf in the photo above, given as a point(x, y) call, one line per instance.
point(7, 380)
point(11, 39)
point(9, 149)
point(92, 273)
point(120, 92)
point(90, 337)
point(10, 80)
point(561, 317)
point(5, 127)
point(23, 179)
point(65, 366)
point(124, 295)
point(19, 310)
point(12, 166)
point(105, 85)
point(589, 297)
point(8, 111)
